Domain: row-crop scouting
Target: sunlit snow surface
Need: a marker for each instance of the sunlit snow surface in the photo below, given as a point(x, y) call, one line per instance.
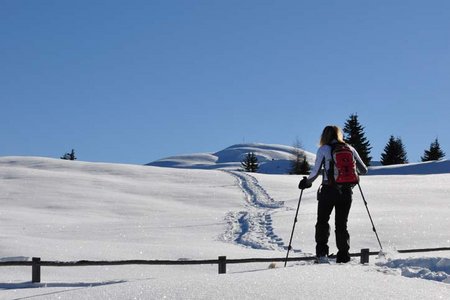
point(272, 158)
point(277, 159)
point(62, 210)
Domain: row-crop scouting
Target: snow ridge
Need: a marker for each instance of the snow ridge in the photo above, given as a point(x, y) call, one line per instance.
point(253, 227)
point(430, 268)
point(272, 158)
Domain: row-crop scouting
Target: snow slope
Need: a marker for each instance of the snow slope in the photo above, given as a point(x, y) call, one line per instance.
point(276, 159)
point(431, 167)
point(63, 210)
point(273, 159)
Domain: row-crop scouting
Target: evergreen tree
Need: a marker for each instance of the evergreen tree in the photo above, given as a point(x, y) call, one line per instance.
point(69, 156)
point(305, 168)
point(434, 153)
point(355, 136)
point(250, 162)
point(394, 152)
point(299, 164)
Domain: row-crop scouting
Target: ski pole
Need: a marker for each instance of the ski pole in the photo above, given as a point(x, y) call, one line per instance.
point(370, 217)
point(293, 227)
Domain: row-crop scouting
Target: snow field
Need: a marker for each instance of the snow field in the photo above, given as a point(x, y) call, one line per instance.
point(272, 159)
point(60, 210)
point(408, 211)
point(74, 210)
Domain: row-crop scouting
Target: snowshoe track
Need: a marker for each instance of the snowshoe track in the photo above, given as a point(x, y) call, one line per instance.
point(253, 227)
point(255, 194)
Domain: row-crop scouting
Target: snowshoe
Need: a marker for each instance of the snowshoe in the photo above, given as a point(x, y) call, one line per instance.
point(322, 260)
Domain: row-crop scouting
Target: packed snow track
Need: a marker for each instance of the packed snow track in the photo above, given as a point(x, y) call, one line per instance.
point(252, 227)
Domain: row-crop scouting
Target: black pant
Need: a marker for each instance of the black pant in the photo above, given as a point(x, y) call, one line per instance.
point(341, 199)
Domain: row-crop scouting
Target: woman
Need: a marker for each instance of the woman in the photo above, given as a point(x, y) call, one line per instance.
point(331, 196)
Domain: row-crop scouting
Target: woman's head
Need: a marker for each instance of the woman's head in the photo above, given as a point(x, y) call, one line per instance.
point(331, 133)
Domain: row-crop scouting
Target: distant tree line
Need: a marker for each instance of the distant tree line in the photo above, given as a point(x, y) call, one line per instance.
point(394, 152)
point(354, 134)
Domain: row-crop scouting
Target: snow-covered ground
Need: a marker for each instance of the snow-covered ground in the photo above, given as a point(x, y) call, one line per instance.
point(272, 158)
point(63, 210)
point(277, 159)
point(431, 167)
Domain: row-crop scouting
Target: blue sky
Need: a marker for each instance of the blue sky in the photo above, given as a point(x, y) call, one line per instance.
point(134, 81)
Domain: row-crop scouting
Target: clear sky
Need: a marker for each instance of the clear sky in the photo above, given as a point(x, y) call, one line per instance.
point(134, 81)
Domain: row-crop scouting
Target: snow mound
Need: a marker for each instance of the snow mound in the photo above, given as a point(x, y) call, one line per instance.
point(423, 168)
point(431, 268)
point(276, 159)
point(273, 159)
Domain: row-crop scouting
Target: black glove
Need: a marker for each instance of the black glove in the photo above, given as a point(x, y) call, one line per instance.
point(304, 184)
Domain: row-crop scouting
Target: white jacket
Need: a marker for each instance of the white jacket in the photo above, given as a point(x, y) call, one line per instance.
point(324, 154)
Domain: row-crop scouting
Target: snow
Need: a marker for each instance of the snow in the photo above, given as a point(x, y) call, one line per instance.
point(431, 167)
point(72, 210)
point(273, 158)
point(432, 268)
point(276, 159)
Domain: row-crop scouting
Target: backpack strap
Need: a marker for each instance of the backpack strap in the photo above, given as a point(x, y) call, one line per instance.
point(322, 164)
point(330, 171)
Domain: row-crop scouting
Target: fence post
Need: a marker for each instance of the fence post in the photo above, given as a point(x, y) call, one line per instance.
point(36, 270)
point(222, 264)
point(365, 253)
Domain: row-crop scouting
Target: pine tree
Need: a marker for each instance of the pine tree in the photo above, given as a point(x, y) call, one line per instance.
point(69, 156)
point(305, 168)
point(434, 153)
point(355, 136)
point(394, 152)
point(250, 162)
point(299, 165)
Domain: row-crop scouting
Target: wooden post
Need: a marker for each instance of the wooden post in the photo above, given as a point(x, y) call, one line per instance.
point(222, 264)
point(365, 253)
point(36, 270)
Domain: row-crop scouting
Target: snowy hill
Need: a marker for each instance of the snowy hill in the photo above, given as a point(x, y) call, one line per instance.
point(73, 210)
point(273, 159)
point(276, 159)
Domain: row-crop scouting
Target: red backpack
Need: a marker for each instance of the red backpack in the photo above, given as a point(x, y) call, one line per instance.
point(342, 166)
